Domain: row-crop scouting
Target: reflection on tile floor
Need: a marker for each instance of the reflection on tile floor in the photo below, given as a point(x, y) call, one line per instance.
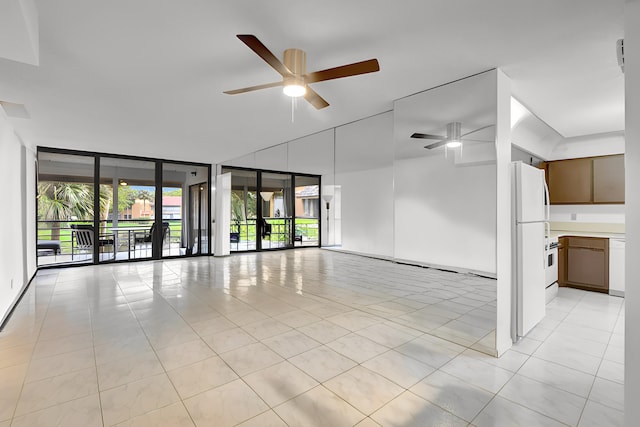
point(299, 338)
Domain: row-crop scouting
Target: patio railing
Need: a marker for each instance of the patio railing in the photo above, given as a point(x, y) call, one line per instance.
point(243, 233)
point(62, 231)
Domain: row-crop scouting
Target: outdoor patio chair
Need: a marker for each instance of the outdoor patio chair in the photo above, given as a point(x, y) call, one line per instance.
point(266, 228)
point(147, 236)
point(82, 240)
point(49, 246)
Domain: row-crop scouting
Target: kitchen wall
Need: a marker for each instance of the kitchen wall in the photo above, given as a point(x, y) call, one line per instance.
point(17, 251)
point(610, 214)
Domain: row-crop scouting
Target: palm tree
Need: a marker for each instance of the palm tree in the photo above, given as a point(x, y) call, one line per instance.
point(64, 201)
point(145, 195)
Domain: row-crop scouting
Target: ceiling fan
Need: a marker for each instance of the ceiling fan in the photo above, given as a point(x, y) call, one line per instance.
point(295, 78)
point(453, 139)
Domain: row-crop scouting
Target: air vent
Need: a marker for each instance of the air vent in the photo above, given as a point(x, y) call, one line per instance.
point(17, 111)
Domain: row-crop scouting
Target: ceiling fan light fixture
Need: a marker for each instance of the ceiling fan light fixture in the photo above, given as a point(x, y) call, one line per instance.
point(454, 144)
point(294, 90)
point(294, 86)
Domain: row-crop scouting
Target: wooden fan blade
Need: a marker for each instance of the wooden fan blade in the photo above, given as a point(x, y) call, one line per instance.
point(261, 50)
point(426, 136)
point(252, 88)
point(363, 67)
point(315, 99)
point(477, 130)
point(436, 144)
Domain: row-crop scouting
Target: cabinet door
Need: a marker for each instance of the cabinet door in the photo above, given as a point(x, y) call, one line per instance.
point(587, 267)
point(608, 179)
point(570, 181)
point(562, 261)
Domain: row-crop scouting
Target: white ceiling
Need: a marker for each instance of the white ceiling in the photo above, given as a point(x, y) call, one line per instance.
point(146, 77)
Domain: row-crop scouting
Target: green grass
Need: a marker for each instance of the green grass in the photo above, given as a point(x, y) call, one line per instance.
point(307, 227)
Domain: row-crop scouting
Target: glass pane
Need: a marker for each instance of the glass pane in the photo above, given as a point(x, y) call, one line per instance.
point(276, 198)
point(243, 209)
point(307, 207)
point(64, 201)
point(127, 199)
point(185, 209)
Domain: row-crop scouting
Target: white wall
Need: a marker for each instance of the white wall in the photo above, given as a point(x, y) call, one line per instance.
point(364, 172)
point(588, 146)
point(530, 133)
point(366, 212)
point(612, 214)
point(17, 216)
point(632, 200)
point(445, 215)
point(503, 214)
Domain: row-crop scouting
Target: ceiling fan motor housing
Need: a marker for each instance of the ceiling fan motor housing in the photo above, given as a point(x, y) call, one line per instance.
point(454, 131)
point(296, 61)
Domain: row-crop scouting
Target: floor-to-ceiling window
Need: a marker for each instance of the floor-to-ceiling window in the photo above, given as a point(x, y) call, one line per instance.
point(276, 224)
point(185, 207)
point(307, 210)
point(127, 210)
point(244, 209)
point(273, 210)
point(65, 204)
point(146, 208)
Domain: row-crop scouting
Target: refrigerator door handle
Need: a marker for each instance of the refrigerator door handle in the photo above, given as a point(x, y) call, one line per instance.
point(547, 204)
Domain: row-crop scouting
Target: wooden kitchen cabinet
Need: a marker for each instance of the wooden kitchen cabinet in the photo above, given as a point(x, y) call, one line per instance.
point(570, 181)
point(586, 263)
point(563, 242)
point(588, 180)
point(608, 179)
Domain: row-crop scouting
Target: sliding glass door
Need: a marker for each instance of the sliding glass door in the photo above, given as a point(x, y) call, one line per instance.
point(146, 208)
point(307, 209)
point(244, 209)
point(127, 207)
point(273, 210)
point(276, 223)
point(185, 207)
point(65, 201)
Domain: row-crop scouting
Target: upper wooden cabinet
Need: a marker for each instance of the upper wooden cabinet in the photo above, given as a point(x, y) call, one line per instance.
point(586, 180)
point(570, 181)
point(608, 179)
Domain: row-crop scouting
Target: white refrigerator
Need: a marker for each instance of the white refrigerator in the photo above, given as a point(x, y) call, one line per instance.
point(530, 226)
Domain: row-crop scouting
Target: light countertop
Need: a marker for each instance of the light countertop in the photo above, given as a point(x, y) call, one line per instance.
point(587, 229)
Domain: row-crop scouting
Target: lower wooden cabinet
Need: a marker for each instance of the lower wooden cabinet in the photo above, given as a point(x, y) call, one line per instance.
point(583, 262)
point(562, 260)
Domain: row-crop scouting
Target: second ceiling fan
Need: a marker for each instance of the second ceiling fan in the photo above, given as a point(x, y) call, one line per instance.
point(453, 139)
point(293, 69)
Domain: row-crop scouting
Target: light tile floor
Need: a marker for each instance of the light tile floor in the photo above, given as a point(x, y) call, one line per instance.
point(299, 338)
